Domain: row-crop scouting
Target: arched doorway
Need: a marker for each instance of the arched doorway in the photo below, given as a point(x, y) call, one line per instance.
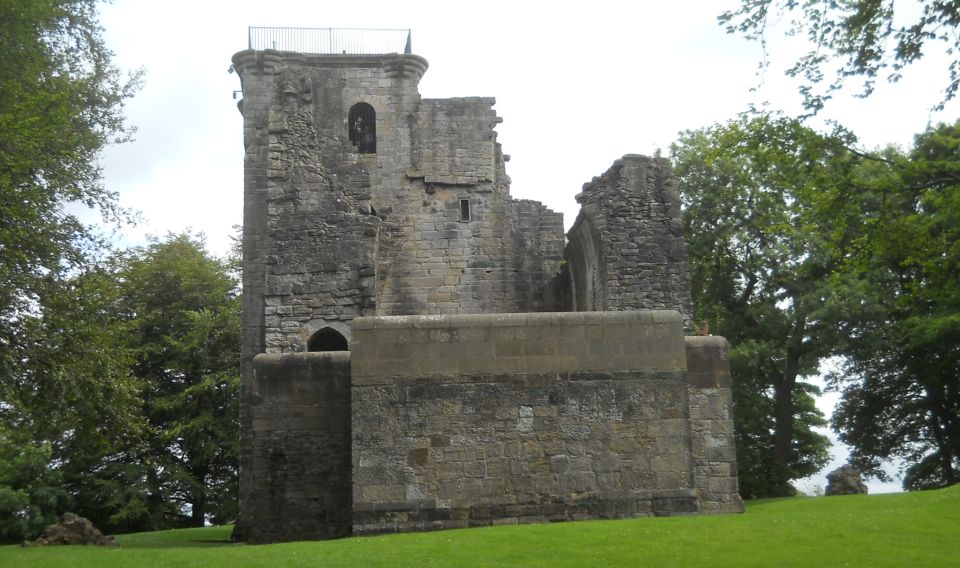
point(362, 124)
point(327, 339)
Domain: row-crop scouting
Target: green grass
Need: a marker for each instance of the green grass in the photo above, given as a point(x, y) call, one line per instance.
point(915, 529)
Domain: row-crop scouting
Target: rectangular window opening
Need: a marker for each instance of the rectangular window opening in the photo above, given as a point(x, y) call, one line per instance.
point(464, 210)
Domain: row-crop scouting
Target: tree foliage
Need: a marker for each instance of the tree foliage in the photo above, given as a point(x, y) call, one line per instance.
point(899, 306)
point(31, 491)
point(859, 38)
point(72, 395)
point(759, 256)
point(125, 406)
point(183, 321)
point(61, 101)
point(803, 247)
point(67, 400)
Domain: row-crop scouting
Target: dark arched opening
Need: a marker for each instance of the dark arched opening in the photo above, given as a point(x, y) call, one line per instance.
point(362, 124)
point(327, 339)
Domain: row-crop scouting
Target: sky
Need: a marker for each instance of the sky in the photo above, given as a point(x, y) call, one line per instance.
point(578, 85)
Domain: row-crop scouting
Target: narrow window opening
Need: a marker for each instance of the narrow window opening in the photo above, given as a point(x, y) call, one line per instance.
point(327, 339)
point(464, 209)
point(362, 124)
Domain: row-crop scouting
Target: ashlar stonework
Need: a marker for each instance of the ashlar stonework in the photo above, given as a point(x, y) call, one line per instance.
point(423, 351)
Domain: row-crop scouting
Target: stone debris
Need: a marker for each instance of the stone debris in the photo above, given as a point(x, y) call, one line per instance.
point(72, 529)
point(845, 480)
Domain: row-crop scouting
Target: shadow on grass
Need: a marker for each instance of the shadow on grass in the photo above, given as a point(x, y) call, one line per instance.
point(206, 537)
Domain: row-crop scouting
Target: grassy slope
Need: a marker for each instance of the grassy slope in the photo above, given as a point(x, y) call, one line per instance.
point(915, 529)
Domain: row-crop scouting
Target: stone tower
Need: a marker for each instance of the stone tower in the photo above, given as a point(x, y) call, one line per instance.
point(362, 201)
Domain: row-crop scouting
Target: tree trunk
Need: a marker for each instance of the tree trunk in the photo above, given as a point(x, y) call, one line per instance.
point(940, 427)
point(784, 411)
point(198, 514)
point(199, 506)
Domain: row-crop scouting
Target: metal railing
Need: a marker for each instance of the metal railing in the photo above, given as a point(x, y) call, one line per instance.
point(353, 41)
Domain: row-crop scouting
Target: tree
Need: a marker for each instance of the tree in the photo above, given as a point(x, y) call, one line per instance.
point(183, 320)
point(61, 101)
point(125, 406)
point(31, 491)
point(753, 190)
point(118, 378)
point(72, 403)
point(855, 37)
point(900, 305)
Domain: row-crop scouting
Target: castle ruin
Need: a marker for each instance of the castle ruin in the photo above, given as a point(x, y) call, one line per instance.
point(422, 351)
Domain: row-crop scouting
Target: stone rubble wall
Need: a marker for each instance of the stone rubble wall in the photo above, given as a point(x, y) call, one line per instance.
point(538, 257)
point(331, 234)
point(631, 224)
point(586, 283)
point(429, 259)
point(476, 420)
point(500, 261)
point(257, 73)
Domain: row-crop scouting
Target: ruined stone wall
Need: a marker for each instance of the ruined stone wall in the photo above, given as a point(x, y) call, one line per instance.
point(433, 259)
point(257, 71)
point(633, 210)
point(538, 245)
point(300, 443)
point(454, 142)
point(346, 234)
point(331, 233)
point(475, 420)
point(457, 420)
point(586, 268)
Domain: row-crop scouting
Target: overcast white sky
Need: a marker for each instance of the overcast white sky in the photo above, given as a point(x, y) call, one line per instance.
point(577, 84)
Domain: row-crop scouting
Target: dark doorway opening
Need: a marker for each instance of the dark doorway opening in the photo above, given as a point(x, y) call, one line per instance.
point(327, 339)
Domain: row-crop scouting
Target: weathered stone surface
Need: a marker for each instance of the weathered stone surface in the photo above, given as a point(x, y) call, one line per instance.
point(72, 529)
point(561, 427)
point(300, 444)
point(516, 343)
point(845, 480)
point(626, 249)
point(712, 446)
point(495, 409)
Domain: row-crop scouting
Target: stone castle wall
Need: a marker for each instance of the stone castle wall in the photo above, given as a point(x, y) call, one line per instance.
point(475, 420)
point(426, 226)
point(626, 247)
point(711, 424)
point(456, 421)
point(300, 445)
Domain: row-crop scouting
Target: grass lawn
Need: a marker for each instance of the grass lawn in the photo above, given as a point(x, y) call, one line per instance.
point(905, 529)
